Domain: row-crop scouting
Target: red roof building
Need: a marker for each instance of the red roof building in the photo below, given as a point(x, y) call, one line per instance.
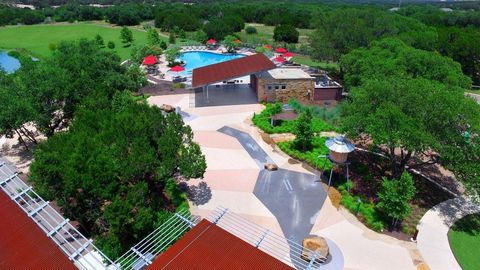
point(207, 246)
point(23, 244)
point(231, 69)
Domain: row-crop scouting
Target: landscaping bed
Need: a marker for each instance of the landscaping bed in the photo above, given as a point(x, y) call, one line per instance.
point(311, 157)
point(464, 238)
point(362, 200)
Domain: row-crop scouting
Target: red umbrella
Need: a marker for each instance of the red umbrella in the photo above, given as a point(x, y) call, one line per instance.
point(211, 41)
point(281, 50)
point(177, 69)
point(268, 47)
point(237, 41)
point(149, 60)
point(288, 54)
point(279, 59)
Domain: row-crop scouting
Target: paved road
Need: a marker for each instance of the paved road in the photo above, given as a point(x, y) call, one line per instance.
point(432, 240)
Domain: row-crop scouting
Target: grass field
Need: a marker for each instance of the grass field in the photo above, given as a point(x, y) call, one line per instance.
point(36, 38)
point(306, 60)
point(265, 34)
point(464, 237)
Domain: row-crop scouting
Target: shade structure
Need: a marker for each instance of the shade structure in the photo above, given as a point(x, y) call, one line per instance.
point(268, 47)
point(237, 41)
point(288, 54)
point(279, 59)
point(211, 41)
point(340, 144)
point(149, 60)
point(281, 50)
point(177, 69)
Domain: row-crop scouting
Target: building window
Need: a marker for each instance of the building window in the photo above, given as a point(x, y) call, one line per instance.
point(269, 87)
point(284, 87)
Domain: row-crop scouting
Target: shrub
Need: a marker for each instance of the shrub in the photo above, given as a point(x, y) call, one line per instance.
point(178, 86)
point(311, 156)
point(250, 30)
point(111, 45)
point(52, 46)
point(367, 211)
point(285, 33)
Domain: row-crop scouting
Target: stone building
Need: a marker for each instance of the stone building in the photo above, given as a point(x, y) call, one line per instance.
point(285, 83)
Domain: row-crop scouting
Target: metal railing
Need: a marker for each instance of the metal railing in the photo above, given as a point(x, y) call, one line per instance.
point(269, 242)
point(77, 247)
point(143, 253)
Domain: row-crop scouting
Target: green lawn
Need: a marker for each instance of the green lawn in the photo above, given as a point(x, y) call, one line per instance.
point(306, 60)
point(36, 38)
point(464, 237)
point(265, 34)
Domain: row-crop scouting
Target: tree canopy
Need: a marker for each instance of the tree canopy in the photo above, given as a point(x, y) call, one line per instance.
point(110, 170)
point(392, 57)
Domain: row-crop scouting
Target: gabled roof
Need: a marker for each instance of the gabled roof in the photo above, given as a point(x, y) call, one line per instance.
point(207, 246)
point(23, 244)
point(231, 69)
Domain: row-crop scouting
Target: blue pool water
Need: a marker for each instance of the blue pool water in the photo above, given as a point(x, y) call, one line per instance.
point(8, 63)
point(200, 59)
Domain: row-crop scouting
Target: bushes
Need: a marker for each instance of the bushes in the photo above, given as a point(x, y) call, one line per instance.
point(285, 33)
point(367, 211)
point(311, 156)
point(262, 121)
point(250, 30)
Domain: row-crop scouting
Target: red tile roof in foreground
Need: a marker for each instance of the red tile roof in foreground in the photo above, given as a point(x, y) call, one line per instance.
point(231, 69)
point(23, 245)
point(207, 246)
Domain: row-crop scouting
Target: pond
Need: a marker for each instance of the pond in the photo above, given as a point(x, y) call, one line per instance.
point(8, 63)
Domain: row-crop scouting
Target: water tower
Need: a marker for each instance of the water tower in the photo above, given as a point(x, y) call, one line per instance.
point(339, 148)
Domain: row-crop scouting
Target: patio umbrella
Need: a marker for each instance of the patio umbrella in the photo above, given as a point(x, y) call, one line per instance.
point(177, 69)
point(149, 60)
point(279, 59)
point(288, 55)
point(268, 47)
point(211, 41)
point(281, 50)
point(237, 41)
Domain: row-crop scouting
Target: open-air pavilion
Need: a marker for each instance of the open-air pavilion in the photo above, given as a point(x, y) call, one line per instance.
point(228, 82)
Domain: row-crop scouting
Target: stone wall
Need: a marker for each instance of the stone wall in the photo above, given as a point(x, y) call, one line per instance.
point(297, 89)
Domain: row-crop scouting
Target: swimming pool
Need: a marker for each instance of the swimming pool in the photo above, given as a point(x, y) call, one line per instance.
point(8, 63)
point(198, 59)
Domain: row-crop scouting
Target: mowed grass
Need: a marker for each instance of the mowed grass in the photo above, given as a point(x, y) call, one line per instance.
point(265, 34)
point(464, 237)
point(36, 38)
point(307, 60)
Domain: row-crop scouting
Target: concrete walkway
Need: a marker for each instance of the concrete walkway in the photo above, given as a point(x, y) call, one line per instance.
point(235, 153)
point(432, 239)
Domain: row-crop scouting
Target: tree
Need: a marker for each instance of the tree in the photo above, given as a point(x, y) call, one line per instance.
point(303, 131)
point(111, 45)
point(250, 30)
point(153, 37)
point(230, 43)
point(171, 38)
point(395, 196)
point(392, 57)
point(126, 36)
point(201, 36)
point(112, 170)
point(172, 54)
point(285, 33)
point(408, 118)
point(56, 86)
point(217, 29)
point(139, 52)
point(99, 41)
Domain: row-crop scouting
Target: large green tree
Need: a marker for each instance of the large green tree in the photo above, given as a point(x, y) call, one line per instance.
point(392, 57)
point(57, 85)
point(303, 131)
point(111, 169)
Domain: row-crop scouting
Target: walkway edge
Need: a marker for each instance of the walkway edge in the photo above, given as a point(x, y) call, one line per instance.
point(432, 239)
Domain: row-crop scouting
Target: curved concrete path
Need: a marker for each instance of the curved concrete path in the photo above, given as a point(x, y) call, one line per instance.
point(432, 239)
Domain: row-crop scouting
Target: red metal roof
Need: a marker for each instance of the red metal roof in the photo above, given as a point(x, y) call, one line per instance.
point(23, 245)
point(207, 246)
point(231, 69)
